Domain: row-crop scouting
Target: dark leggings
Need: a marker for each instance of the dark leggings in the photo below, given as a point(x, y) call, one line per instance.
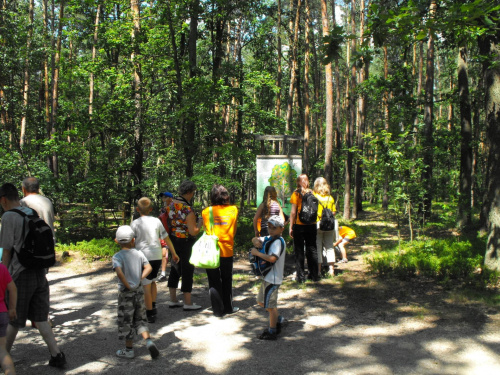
point(183, 247)
point(305, 236)
point(222, 280)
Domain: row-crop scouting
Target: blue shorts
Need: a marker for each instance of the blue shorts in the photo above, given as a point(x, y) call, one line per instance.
point(4, 322)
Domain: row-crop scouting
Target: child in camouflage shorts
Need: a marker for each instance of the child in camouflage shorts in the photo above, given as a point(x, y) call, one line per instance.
point(131, 266)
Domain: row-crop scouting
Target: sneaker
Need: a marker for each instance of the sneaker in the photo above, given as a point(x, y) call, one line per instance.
point(194, 306)
point(343, 261)
point(153, 350)
point(266, 335)
point(281, 325)
point(172, 304)
point(161, 279)
point(125, 353)
point(58, 361)
point(151, 319)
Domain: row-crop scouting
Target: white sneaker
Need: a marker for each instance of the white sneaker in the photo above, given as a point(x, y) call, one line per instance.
point(172, 304)
point(194, 306)
point(124, 353)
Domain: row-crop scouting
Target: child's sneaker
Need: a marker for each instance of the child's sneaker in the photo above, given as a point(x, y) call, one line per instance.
point(58, 361)
point(172, 304)
point(153, 350)
point(125, 353)
point(266, 335)
point(161, 279)
point(281, 325)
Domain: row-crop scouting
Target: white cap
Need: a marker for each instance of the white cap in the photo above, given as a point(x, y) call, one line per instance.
point(124, 234)
point(276, 220)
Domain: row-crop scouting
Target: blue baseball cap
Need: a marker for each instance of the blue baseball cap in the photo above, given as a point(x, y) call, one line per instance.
point(166, 194)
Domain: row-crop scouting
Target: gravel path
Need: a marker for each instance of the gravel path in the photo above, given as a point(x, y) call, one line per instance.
point(352, 324)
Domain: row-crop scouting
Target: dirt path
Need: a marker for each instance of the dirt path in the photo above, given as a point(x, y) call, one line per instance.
point(352, 324)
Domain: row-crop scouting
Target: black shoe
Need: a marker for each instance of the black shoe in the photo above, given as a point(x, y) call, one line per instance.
point(234, 310)
point(150, 316)
point(216, 301)
point(266, 335)
point(280, 326)
point(58, 361)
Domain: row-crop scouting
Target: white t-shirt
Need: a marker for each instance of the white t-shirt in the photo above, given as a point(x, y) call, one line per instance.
point(43, 207)
point(275, 275)
point(148, 231)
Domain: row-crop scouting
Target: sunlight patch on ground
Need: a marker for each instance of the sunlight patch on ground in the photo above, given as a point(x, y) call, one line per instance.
point(94, 367)
point(441, 347)
point(400, 329)
point(218, 344)
point(321, 321)
point(491, 338)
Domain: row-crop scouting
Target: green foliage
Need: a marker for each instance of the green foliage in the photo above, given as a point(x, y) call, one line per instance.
point(443, 260)
point(94, 249)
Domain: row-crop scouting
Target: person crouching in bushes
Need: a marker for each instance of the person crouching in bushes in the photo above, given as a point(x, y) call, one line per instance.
point(267, 296)
point(131, 267)
point(346, 234)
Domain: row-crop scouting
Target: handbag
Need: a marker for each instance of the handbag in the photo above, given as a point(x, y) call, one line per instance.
point(206, 252)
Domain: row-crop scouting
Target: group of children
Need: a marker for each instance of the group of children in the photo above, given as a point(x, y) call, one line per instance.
point(140, 258)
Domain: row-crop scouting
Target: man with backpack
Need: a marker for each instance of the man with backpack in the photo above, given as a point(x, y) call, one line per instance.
point(32, 199)
point(18, 225)
point(303, 230)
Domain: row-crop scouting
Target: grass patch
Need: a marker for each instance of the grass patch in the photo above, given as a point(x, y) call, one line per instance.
point(95, 249)
point(443, 260)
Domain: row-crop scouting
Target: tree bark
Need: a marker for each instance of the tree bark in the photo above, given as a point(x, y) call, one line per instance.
point(385, 100)
point(490, 46)
point(362, 105)
point(293, 65)
point(428, 141)
point(277, 111)
point(307, 107)
point(464, 201)
point(22, 138)
point(351, 122)
point(329, 101)
point(55, 90)
point(137, 92)
point(94, 53)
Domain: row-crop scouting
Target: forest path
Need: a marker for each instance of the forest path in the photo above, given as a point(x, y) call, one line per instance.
point(354, 323)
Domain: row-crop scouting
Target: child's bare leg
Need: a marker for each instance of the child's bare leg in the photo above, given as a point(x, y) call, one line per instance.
point(260, 304)
point(154, 292)
point(11, 336)
point(343, 251)
point(163, 260)
point(48, 336)
point(148, 300)
point(5, 358)
point(273, 317)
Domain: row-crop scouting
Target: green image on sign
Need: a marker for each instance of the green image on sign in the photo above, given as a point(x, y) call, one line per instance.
point(279, 171)
point(283, 178)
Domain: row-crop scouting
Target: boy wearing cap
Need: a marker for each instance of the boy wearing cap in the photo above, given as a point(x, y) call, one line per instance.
point(267, 296)
point(131, 267)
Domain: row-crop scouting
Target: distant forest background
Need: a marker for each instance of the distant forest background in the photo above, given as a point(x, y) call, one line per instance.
point(398, 101)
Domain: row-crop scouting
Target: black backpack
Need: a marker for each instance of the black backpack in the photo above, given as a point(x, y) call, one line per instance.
point(38, 250)
point(309, 211)
point(327, 222)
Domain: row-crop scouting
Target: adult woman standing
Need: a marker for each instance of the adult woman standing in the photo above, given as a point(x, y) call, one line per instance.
point(225, 218)
point(269, 207)
point(324, 239)
point(304, 235)
point(183, 229)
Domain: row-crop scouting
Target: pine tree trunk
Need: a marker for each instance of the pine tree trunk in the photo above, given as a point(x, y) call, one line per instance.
point(137, 90)
point(329, 101)
point(293, 65)
point(464, 202)
point(94, 53)
point(490, 46)
point(428, 140)
point(307, 107)
point(277, 111)
point(22, 138)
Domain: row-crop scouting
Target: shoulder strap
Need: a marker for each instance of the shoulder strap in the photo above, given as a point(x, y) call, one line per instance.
point(211, 218)
point(268, 244)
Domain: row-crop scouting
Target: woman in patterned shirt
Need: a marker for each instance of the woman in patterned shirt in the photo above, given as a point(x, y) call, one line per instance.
point(184, 226)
